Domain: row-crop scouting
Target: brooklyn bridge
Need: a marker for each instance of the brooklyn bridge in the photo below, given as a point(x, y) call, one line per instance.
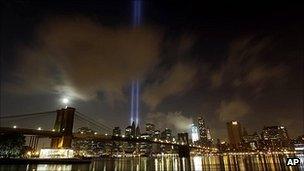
point(62, 134)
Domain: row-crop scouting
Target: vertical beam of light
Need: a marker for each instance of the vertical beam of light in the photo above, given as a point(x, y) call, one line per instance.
point(132, 103)
point(139, 12)
point(136, 12)
point(135, 88)
point(137, 102)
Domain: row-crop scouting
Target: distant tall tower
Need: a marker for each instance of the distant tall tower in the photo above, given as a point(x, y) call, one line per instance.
point(204, 132)
point(194, 133)
point(202, 129)
point(234, 129)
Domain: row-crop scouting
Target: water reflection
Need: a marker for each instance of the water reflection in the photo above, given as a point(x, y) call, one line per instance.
point(172, 163)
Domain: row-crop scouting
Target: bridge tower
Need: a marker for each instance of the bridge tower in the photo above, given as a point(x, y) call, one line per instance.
point(64, 124)
point(183, 150)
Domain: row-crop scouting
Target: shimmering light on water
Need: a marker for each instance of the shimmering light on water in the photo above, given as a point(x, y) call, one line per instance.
point(172, 163)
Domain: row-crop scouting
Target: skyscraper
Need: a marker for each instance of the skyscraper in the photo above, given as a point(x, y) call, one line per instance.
point(150, 128)
point(275, 137)
point(117, 131)
point(128, 131)
point(208, 135)
point(204, 132)
point(137, 131)
point(166, 134)
point(234, 129)
point(201, 128)
point(194, 133)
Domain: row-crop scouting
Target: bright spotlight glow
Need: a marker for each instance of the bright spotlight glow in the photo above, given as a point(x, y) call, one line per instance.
point(234, 122)
point(15, 126)
point(65, 100)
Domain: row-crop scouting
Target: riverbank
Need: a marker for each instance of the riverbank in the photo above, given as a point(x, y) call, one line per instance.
point(43, 161)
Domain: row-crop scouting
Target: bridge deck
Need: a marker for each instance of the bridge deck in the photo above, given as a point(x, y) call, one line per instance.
point(25, 131)
point(98, 137)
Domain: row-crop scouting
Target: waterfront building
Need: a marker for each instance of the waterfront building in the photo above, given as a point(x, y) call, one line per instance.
point(275, 137)
point(117, 132)
point(234, 129)
point(194, 133)
point(204, 132)
point(145, 148)
point(223, 146)
point(166, 134)
point(251, 141)
point(150, 128)
point(88, 148)
point(128, 131)
point(157, 134)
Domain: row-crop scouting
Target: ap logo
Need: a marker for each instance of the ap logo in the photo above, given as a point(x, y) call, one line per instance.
point(292, 161)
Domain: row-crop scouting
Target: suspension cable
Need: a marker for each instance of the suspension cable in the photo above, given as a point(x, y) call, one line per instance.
point(93, 120)
point(81, 119)
point(26, 115)
point(90, 120)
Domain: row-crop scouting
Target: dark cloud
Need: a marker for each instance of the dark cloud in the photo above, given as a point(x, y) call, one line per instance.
point(245, 65)
point(78, 57)
point(178, 80)
point(257, 80)
point(174, 120)
point(233, 110)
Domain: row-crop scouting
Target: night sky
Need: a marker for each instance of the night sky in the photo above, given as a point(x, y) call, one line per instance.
point(228, 62)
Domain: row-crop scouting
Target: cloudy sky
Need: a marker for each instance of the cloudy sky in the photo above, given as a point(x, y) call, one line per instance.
point(227, 62)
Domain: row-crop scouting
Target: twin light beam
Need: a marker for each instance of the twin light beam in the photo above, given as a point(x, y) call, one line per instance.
point(136, 4)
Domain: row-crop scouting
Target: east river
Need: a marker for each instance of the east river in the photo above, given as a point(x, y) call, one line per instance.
point(263, 162)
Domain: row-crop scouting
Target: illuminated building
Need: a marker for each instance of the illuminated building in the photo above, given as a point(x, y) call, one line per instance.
point(166, 134)
point(275, 137)
point(223, 146)
point(194, 133)
point(145, 148)
point(128, 131)
point(157, 134)
point(131, 132)
point(56, 153)
point(117, 132)
point(150, 128)
point(87, 148)
point(208, 135)
point(202, 129)
point(204, 132)
point(116, 145)
point(234, 134)
point(298, 144)
point(251, 141)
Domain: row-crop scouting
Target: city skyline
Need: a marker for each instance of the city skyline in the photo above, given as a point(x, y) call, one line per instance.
point(188, 60)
